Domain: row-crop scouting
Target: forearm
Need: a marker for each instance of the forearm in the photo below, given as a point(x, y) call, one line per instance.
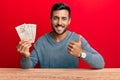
point(26, 63)
point(31, 61)
point(95, 60)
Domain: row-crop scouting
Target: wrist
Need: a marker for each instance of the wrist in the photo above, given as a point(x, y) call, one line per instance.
point(26, 55)
point(82, 55)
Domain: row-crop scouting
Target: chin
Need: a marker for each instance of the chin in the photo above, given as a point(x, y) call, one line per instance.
point(65, 30)
point(60, 33)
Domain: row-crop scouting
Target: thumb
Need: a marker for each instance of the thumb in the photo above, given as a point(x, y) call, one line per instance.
point(79, 38)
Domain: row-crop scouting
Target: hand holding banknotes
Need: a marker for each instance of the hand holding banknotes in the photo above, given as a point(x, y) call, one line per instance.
point(23, 47)
point(27, 33)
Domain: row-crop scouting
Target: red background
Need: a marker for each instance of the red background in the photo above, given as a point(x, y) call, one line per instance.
point(96, 20)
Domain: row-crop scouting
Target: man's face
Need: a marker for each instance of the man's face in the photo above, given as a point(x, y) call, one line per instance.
point(60, 21)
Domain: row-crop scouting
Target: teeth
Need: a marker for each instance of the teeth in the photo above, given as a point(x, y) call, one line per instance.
point(59, 27)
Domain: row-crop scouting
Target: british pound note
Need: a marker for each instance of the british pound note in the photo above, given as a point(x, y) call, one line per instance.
point(27, 32)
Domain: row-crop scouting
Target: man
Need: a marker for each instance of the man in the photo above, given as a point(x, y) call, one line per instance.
point(60, 48)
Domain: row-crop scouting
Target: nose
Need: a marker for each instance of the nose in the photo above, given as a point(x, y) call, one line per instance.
point(59, 21)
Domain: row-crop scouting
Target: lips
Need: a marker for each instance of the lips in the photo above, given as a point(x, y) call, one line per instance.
point(59, 28)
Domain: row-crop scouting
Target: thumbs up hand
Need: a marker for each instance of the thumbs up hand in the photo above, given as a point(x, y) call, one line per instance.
point(75, 48)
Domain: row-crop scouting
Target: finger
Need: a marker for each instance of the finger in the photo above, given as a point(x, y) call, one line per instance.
point(72, 42)
point(79, 39)
point(70, 45)
point(70, 49)
point(23, 45)
point(18, 46)
point(20, 43)
point(25, 48)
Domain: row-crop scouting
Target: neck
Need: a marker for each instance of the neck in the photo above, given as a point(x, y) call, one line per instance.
point(57, 37)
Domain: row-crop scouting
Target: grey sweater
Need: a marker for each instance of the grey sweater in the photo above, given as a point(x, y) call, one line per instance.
point(52, 54)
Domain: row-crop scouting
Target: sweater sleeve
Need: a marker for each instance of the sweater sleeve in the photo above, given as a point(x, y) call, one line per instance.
point(93, 58)
point(31, 61)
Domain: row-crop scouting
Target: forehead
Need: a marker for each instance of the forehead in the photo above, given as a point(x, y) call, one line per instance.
point(61, 13)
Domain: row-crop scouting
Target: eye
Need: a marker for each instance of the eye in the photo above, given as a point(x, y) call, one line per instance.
point(64, 18)
point(55, 18)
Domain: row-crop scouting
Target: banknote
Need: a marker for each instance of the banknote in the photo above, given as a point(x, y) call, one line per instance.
point(26, 32)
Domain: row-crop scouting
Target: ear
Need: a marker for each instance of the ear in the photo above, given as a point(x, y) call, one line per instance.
point(69, 20)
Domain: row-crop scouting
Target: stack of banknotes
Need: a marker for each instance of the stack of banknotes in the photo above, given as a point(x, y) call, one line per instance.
point(27, 32)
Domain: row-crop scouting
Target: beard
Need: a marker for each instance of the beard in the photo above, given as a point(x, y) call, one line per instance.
point(57, 32)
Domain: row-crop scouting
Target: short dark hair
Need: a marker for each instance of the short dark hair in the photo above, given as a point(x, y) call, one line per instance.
point(60, 6)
